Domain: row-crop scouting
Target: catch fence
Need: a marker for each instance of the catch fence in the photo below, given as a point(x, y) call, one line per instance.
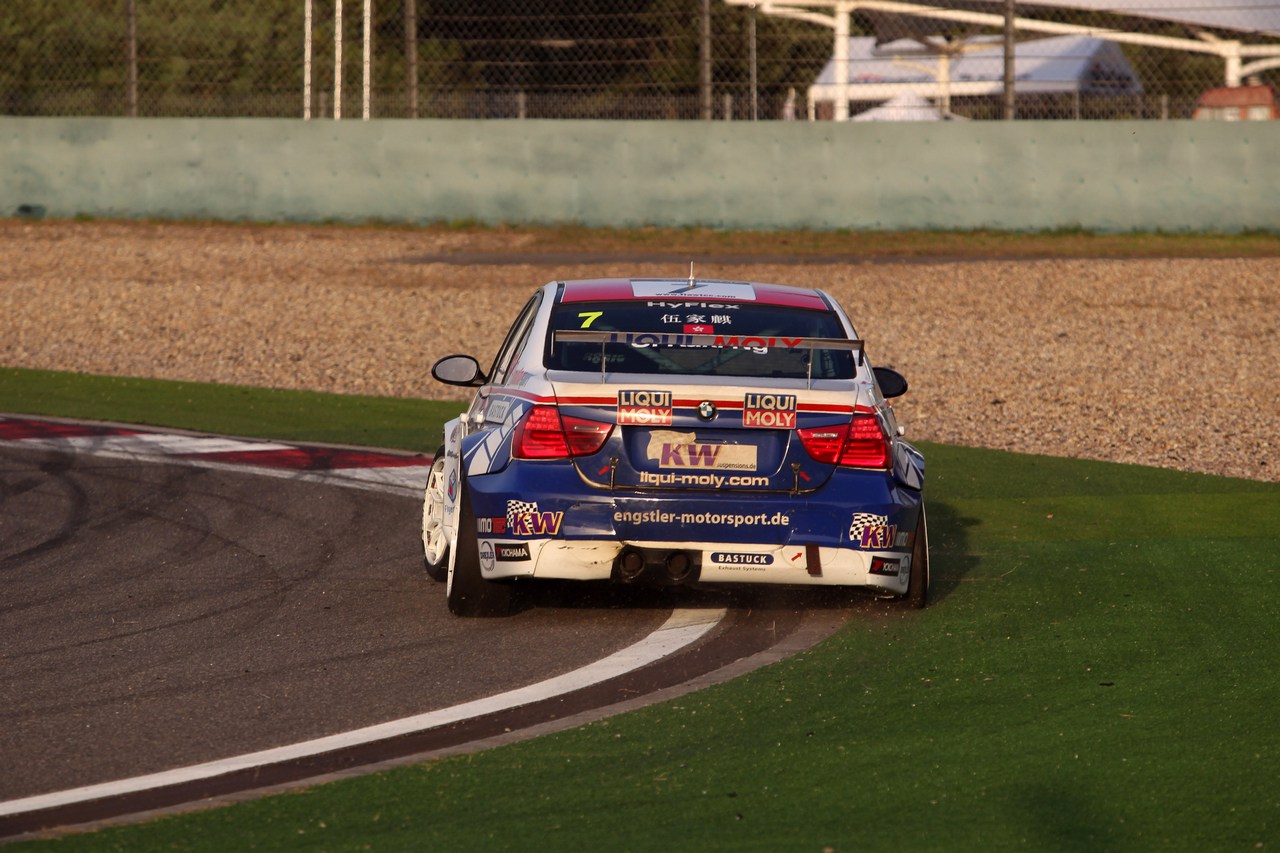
point(605, 59)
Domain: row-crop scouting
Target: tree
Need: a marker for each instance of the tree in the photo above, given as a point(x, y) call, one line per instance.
point(60, 57)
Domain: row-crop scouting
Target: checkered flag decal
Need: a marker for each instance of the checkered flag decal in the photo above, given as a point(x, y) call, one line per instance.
point(864, 520)
point(517, 510)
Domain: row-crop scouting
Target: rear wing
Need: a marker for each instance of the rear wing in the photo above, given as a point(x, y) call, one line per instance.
point(673, 339)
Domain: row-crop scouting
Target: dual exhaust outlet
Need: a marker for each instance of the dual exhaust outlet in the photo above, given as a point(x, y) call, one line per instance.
point(672, 567)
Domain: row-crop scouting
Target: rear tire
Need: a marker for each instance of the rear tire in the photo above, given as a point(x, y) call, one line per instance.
point(468, 593)
point(435, 544)
point(918, 585)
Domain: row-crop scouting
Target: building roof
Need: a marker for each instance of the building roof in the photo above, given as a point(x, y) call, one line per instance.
point(1061, 64)
point(1241, 16)
point(1253, 16)
point(906, 107)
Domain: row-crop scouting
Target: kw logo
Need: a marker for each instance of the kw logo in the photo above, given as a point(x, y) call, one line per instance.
point(524, 519)
point(879, 537)
point(671, 449)
point(872, 532)
point(537, 524)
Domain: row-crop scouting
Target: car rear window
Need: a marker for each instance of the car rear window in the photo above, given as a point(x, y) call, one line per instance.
point(740, 328)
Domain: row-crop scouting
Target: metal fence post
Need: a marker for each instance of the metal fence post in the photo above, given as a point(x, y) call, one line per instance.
point(704, 61)
point(306, 60)
point(1010, 74)
point(411, 56)
point(132, 15)
point(337, 60)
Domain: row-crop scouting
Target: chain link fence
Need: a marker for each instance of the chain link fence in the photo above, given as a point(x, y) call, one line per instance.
point(597, 59)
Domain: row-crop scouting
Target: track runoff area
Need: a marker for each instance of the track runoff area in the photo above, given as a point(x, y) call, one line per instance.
point(658, 665)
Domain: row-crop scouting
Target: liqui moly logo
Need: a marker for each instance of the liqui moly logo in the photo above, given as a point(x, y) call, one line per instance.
point(644, 408)
point(769, 411)
point(640, 340)
point(755, 343)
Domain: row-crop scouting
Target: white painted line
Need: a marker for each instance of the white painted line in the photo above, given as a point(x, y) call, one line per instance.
point(681, 629)
point(394, 478)
point(411, 480)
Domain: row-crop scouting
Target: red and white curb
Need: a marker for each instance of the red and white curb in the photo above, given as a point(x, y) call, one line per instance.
point(355, 468)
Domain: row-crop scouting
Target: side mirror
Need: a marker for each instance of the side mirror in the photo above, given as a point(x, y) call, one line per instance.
point(892, 383)
point(458, 370)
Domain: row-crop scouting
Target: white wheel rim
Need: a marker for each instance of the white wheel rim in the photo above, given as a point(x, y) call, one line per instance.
point(434, 541)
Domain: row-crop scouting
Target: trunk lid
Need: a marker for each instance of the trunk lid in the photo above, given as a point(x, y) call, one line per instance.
point(701, 438)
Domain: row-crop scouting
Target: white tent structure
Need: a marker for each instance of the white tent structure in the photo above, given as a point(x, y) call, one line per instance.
point(1076, 65)
point(1255, 17)
point(906, 107)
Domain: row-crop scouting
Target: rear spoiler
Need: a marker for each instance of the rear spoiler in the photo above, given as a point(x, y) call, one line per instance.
point(672, 339)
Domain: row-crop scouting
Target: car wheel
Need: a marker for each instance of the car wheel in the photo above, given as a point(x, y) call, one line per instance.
point(435, 544)
point(918, 586)
point(468, 593)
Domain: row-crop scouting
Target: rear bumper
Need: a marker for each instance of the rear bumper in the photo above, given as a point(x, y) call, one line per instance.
point(856, 531)
point(708, 562)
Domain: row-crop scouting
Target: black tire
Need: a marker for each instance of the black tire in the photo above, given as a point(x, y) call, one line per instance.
point(468, 593)
point(433, 538)
point(918, 585)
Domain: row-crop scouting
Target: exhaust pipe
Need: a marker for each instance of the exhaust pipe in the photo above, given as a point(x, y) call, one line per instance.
point(630, 565)
point(678, 566)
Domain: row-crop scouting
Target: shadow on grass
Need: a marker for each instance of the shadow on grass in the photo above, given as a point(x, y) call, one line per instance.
point(950, 559)
point(1059, 818)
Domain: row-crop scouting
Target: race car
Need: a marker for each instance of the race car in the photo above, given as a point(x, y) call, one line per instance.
point(677, 431)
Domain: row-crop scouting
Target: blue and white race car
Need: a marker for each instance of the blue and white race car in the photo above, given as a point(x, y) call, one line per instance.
point(682, 431)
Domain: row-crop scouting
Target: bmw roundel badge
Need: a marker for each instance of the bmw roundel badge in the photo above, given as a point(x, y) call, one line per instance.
point(707, 410)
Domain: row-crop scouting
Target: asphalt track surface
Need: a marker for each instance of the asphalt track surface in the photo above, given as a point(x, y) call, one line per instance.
point(159, 615)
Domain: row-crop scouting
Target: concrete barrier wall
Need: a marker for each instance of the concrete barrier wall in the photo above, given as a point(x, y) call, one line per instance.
point(1106, 176)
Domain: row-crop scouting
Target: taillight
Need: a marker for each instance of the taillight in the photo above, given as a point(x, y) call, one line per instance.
point(858, 444)
point(540, 435)
point(543, 433)
point(824, 443)
point(866, 446)
point(585, 436)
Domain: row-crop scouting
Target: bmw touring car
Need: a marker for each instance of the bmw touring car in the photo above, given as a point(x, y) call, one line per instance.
point(676, 431)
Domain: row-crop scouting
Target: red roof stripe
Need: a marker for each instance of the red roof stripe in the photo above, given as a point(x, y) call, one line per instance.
point(620, 289)
point(597, 290)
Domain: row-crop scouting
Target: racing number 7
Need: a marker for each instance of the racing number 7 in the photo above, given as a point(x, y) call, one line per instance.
point(589, 317)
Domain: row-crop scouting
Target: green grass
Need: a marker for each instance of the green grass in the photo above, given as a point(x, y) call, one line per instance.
point(698, 242)
point(389, 422)
point(1096, 673)
point(977, 244)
